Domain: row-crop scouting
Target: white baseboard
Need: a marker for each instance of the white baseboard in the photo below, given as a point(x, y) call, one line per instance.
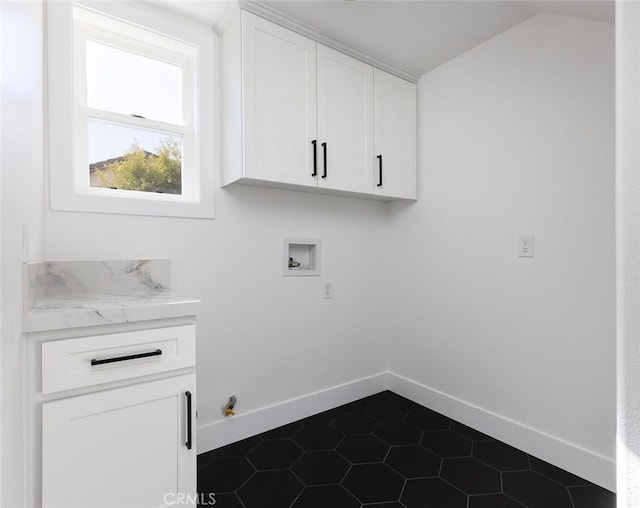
point(585, 463)
point(241, 426)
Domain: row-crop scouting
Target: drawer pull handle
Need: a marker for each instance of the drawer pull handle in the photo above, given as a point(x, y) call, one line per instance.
point(157, 352)
point(188, 443)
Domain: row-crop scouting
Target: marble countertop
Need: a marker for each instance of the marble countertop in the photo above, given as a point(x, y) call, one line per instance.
point(76, 294)
point(73, 312)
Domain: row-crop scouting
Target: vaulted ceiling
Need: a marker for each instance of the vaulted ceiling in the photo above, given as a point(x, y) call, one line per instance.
point(412, 35)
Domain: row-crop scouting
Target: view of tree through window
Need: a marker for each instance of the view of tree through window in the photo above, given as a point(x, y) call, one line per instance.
point(142, 170)
point(131, 111)
point(135, 120)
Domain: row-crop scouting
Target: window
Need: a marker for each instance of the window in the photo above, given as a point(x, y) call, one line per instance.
point(131, 103)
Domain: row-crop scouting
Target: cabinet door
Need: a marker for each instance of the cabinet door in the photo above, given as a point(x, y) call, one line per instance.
point(279, 102)
point(122, 448)
point(394, 110)
point(345, 121)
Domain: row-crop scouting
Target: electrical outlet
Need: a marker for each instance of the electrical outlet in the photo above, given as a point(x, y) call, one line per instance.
point(327, 290)
point(525, 246)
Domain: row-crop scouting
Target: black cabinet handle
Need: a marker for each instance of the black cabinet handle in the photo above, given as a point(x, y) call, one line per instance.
point(380, 169)
point(157, 352)
point(315, 159)
point(324, 171)
point(188, 444)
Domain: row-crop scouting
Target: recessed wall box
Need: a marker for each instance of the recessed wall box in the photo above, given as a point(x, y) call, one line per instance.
point(301, 257)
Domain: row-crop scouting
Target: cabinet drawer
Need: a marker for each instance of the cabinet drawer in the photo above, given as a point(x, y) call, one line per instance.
point(87, 361)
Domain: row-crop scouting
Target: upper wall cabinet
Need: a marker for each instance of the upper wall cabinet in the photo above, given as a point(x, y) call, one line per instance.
point(394, 135)
point(297, 114)
point(345, 122)
point(279, 97)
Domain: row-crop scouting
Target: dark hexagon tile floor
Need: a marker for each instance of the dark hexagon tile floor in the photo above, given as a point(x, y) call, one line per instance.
point(413, 461)
point(268, 489)
point(500, 456)
point(535, 491)
point(372, 483)
point(318, 437)
point(321, 468)
point(224, 474)
point(324, 496)
point(385, 451)
point(432, 492)
point(276, 454)
point(447, 444)
point(355, 423)
point(471, 476)
point(363, 449)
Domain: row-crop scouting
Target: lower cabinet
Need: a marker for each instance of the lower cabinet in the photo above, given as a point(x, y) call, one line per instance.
point(129, 447)
point(117, 411)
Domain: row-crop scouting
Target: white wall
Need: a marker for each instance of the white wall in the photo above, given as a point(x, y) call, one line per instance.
point(262, 337)
point(628, 249)
point(516, 136)
point(21, 202)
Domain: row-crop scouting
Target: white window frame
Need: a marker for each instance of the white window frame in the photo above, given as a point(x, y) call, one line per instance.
point(150, 33)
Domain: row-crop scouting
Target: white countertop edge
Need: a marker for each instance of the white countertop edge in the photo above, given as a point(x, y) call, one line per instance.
point(57, 315)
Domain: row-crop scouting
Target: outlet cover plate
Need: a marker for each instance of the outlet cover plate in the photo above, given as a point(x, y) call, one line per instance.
point(525, 246)
point(327, 290)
